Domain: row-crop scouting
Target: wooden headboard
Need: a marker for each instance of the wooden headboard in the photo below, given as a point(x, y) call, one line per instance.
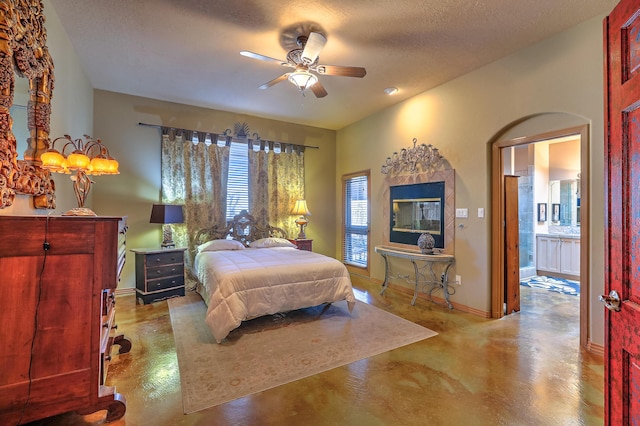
point(242, 228)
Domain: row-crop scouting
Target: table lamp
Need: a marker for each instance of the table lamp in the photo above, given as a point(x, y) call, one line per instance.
point(300, 208)
point(166, 214)
point(84, 157)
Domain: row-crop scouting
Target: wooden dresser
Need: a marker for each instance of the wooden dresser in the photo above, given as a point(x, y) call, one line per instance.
point(159, 274)
point(57, 310)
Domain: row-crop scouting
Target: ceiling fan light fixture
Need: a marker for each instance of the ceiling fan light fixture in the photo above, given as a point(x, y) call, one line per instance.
point(302, 79)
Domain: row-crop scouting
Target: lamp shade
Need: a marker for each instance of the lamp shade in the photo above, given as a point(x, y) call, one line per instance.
point(302, 79)
point(166, 213)
point(301, 208)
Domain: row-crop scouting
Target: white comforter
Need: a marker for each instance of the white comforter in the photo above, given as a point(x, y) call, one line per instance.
point(244, 284)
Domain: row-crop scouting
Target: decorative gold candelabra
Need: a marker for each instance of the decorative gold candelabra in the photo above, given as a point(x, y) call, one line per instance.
point(85, 157)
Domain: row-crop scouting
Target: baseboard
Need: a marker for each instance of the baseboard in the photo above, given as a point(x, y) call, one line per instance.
point(125, 291)
point(595, 348)
point(457, 306)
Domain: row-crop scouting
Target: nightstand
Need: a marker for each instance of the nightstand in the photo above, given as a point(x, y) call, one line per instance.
point(303, 244)
point(159, 274)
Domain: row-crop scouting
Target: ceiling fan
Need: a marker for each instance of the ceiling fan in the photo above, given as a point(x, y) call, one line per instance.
point(304, 61)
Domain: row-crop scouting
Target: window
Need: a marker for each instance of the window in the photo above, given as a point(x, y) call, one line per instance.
point(355, 246)
point(238, 180)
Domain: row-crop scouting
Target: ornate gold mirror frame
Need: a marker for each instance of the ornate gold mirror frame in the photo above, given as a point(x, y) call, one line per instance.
point(23, 53)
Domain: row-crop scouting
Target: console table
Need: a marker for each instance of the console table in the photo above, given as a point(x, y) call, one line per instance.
point(423, 265)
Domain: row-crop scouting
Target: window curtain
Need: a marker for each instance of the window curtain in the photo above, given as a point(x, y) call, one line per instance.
point(194, 173)
point(276, 181)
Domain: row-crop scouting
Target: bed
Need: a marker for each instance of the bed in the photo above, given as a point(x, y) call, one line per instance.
point(245, 271)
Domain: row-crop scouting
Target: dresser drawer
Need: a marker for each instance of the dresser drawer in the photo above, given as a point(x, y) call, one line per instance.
point(164, 259)
point(164, 271)
point(164, 283)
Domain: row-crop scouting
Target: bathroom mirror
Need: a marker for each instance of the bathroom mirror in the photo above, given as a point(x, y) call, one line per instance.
point(24, 62)
point(564, 199)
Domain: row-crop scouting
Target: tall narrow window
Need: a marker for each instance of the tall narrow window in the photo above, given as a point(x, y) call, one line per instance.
point(238, 182)
point(355, 246)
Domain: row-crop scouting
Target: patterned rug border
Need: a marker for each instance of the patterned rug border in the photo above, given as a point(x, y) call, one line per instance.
point(335, 340)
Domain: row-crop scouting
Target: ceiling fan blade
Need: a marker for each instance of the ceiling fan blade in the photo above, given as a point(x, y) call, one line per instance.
point(263, 58)
point(276, 80)
point(319, 90)
point(341, 71)
point(312, 48)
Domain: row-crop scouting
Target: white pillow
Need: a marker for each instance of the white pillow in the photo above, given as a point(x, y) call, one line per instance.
point(271, 242)
point(216, 245)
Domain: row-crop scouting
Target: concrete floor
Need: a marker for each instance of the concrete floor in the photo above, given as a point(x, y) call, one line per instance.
point(524, 369)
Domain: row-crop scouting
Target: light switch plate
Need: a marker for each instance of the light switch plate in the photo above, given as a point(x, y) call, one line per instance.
point(480, 212)
point(462, 212)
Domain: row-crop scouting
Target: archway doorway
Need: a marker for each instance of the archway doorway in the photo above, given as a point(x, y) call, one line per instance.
point(498, 217)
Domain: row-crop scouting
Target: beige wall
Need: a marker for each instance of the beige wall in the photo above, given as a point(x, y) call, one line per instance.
point(71, 111)
point(462, 118)
point(137, 148)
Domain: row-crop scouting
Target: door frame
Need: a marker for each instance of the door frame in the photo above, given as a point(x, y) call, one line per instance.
point(498, 220)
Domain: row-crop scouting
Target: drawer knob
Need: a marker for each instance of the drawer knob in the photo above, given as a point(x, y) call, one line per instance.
point(115, 327)
point(105, 325)
point(107, 357)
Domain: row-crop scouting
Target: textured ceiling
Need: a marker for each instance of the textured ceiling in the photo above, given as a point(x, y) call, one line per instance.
point(187, 51)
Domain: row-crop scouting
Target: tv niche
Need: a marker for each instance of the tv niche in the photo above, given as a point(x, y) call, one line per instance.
point(416, 209)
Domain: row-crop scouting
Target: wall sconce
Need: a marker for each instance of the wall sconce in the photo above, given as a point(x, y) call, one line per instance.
point(166, 214)
point(300, 208)
point(85, 157)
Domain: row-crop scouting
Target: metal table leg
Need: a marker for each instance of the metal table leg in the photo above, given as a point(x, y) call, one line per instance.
point(445, 285)
point(385, 284)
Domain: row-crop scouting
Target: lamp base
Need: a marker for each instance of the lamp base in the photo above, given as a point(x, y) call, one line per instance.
point(301, 234)
point(79, 211)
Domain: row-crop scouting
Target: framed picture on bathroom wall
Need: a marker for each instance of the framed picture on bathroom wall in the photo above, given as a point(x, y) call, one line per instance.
point(542, 212)
point(555, 212)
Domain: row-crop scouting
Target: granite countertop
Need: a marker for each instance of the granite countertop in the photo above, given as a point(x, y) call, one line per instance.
point(565, 236)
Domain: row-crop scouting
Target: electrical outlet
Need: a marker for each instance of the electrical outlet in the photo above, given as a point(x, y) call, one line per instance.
point(459, 279)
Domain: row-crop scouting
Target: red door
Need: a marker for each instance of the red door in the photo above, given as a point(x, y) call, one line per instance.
point(622, 240)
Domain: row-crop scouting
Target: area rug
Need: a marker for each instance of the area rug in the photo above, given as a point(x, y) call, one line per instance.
point(273, 350)
point(559, 285)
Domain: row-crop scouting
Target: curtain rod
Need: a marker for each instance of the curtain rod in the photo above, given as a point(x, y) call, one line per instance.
point(158, 126)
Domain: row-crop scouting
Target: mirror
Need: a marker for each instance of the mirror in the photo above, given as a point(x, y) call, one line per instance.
point(20, 116)
point(24, 58)
point(564, 198)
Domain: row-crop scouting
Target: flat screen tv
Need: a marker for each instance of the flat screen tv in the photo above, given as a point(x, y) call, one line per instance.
point(416, 209)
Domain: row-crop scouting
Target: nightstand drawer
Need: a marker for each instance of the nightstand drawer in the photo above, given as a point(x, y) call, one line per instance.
point(164, 258)
point(164, 271)
point(164, 283)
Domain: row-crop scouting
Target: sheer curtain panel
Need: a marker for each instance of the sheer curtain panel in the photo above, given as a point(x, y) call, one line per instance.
point(194, 173)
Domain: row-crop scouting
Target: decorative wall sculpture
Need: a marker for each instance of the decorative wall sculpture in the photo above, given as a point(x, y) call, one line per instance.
point(23, 53)
point(416, 159)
